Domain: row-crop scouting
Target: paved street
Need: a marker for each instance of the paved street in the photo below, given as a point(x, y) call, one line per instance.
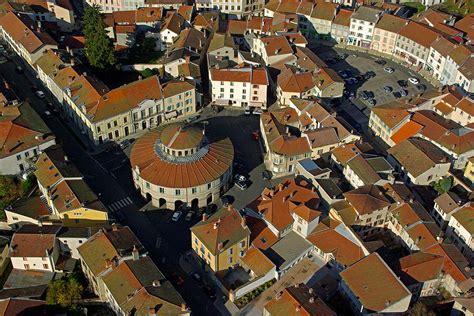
point(111, 193)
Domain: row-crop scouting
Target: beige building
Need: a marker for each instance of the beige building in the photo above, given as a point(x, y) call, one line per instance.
point(222, 239)
point(25, 38)
point(283, 147)
point(386, 33)
point(176, 165)
point(418, 161)
point(104, 115)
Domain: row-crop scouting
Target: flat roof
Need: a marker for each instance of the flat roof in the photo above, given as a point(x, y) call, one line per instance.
point(288, 249)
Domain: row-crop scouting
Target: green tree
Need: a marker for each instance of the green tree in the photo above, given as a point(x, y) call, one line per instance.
point(443, 185)
point(64, 291)
point(98, 47)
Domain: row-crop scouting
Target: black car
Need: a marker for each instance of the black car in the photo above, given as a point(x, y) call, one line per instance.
point(364, 95)
point(369, 74)
point(421, 87)
point(387, 89)
point(397, 95)
point(380, 62)
point(370, 94)
point(402, 83)
point(372, 102)
point(266, 175)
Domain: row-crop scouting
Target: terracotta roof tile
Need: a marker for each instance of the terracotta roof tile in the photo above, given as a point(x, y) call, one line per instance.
point(374, 283)
point(367, 199)
point(408, 130)
point(34, 241)
point(256, 261)
point(419, 33)
point(343, 17)
point(252, 75)
point(224, 227)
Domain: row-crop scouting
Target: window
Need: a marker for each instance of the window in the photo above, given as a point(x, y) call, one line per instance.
point(162, 190)
point(242, 244)
point(25, 259)
point(45, 266)
point(177, 192)
point(230, 251)
point(27, 266)
point(147, 185)
point(18, 157)
point(194, 190)
point(209, 185)
point(27, 154)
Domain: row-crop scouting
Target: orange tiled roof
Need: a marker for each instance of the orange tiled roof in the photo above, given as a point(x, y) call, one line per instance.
point(276, 45)
point(252, 75)
point(454, 261)
point(419, 33)
point(374, 283)
point(160, 172)
point(261, 236)
point(328, 240)
point(256, 261)
point(466, 25)
point(21, 29)
point(291, 81)
point(367, 199)
point(224, 227)
point(343, 17)
point(419, 267)
point(291, 196)
point(408, 130)
point(15, 138)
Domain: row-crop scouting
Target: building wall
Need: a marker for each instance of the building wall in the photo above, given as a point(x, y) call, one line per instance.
point(469, 171)
point(339, 33)
point(70, 244)
point(84, 217)
point(21, 161)
point(166, 197)
point(361, 33)
point(17, 220)
point(384, 41)
point(461, 238)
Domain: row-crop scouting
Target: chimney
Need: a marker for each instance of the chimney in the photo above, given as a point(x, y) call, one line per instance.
point(220, 246)
point(229, 207)
point(140, 77)
point(204, 217)
point(311, 300)
point(156, 283)
point(68, 49)
point(187, 58)
point(151, 311)
point(66, 158)
point(310, 291)
point(114, 227)
point(72, 62)
point(135, 253)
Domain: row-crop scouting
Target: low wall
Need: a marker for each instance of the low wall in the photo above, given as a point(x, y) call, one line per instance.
point(140, 67)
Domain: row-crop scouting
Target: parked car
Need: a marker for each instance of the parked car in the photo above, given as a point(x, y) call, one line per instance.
point(255, 135)
point(176, 216)
point(380, 62)
point(189, 216)
point(414, 80)
point(390, 70)
point(266, 175)
point(40, 94)
point(247, 112)
point(239, 177)
point(125, 143)
point(370, 74)
point(387, 89)
point(257, 111)
point(363, 95)
point(403, 92)
point(19, 69)
point(241, 185)
point(372, 102)
point(402, 83)
point(47, 113)
point(421, 87)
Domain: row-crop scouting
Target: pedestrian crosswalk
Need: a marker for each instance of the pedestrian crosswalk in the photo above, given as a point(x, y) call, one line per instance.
point(117, 205)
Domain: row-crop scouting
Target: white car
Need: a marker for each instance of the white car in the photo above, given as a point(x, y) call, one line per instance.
point(239, 177)
point(257, 112)
point(241, 185)
point(390, 70)
point(247, 112)
point(176, 216)
point(40, 94)
point(414, 80)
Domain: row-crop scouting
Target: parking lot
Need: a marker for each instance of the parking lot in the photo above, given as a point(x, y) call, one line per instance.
point(358, 64)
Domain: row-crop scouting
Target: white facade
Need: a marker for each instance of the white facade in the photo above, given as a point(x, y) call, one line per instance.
point(361, 32)
point(24, 160)
point(46, 263)
point(461, 237)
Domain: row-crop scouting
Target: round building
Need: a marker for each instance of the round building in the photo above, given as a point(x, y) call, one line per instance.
point(175, 164)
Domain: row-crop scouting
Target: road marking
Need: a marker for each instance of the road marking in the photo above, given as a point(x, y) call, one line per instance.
point(117, 205)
